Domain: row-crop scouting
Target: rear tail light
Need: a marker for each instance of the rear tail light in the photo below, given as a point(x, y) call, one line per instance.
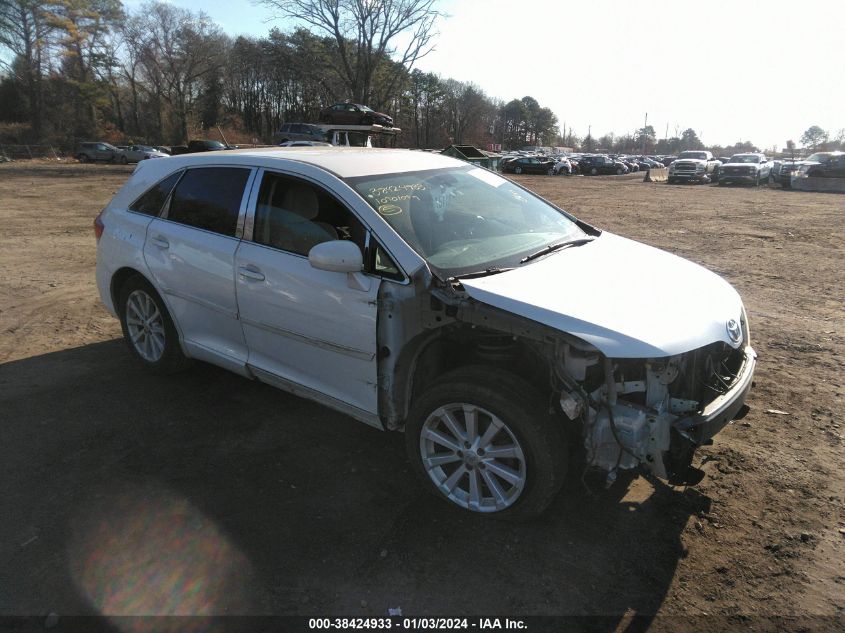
point(99, 226)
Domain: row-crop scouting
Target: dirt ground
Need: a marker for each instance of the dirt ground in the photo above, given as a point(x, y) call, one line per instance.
point(206, 493)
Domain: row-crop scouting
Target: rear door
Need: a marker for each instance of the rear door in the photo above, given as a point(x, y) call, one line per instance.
point(190, 251)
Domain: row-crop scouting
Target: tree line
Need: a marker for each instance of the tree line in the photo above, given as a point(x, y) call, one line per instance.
point(91, 69)
point(74, 70)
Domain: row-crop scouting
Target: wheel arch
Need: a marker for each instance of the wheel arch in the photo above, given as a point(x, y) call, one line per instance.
point(432, 353)
point(121, 276)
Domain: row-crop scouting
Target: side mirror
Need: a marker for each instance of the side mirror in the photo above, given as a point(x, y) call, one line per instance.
point(339, 256)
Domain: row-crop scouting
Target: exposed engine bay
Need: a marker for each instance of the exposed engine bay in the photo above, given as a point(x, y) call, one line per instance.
point(637, 412)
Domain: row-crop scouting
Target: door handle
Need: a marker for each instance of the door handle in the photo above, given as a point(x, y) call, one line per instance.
point(251, 272)
point(160, 241)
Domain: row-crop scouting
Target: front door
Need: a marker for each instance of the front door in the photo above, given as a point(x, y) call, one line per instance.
point(313, 330)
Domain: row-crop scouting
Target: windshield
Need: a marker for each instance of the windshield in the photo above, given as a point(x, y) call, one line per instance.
point(695, 155)
point(819, 158)
point(740, 158)
point(465, 219)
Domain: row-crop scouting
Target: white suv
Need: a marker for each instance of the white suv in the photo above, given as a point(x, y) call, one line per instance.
point(416, 292)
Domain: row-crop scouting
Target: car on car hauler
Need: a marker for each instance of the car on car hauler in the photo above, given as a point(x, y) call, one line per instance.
point(415, 292)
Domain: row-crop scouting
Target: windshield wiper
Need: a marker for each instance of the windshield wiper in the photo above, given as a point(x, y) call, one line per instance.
point(554, 247)
point(480, 273)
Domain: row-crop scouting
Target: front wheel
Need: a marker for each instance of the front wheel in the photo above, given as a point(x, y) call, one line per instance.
point(594, 171)
point(619, 171)
point(551, 171)
point(148, 329)
point(123, 160)
point(481, 439)
point(517, 170)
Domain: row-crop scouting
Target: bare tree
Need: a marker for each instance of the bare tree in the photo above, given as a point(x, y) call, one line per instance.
point(364, 32)
point(178, 51)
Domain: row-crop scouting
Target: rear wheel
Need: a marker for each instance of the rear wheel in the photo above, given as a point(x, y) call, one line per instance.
point(481, 439)
point(517, 170)
point(551, 171)
point(148, 329)
point(123, 160)
point(594, 171)
point(82, 158)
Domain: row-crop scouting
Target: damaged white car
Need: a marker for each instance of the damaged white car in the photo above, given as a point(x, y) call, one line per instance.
point(415, 292)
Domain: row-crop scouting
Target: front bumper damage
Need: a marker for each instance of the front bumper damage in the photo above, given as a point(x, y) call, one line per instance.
point(650, 422)
point(724, 408)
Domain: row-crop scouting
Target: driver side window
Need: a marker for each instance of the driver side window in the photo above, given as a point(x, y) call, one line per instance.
point(294, 215)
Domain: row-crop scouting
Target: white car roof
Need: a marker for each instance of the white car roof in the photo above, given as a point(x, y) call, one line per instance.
point(346, 162)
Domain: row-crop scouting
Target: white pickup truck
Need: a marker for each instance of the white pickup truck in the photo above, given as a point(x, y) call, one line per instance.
point(695, 166)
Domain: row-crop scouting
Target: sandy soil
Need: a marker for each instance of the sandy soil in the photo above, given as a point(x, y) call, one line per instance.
point(270, 504)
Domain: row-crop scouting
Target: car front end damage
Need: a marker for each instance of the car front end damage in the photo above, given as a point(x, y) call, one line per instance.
point(644, 414)
point(640, 386)
point(652, 414)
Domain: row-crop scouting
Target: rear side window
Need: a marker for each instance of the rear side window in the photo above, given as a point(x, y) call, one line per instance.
point(153, 200)
point(209, 198)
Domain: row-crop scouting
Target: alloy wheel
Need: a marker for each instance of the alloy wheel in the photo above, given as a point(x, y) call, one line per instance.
point(145, 326)
point(473, 458)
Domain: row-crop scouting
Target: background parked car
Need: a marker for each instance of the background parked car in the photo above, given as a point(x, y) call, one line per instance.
point(824, 165)
point(137, 153)
point(354, 114)
point(595, 165)
point(694, 166)
point(89, 152)
point(304, 144)
point(751, 168)
point(200, 146)
point(563, 166)
point(300, 132)
point(530, 165)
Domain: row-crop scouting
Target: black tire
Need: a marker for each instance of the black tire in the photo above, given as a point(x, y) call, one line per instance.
point(172, 359)
point(671, 181)
point(619, 171)
point(594, 171)
point(524, 413)
point(123, 160)
point(757, 180)
point(551, 171)
point(82, 158)
point(517, 170)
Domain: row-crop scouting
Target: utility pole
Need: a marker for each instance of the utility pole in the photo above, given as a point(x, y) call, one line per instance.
point(645, 123)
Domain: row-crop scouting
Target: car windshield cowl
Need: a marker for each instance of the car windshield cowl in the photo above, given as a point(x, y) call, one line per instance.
point(551, 248)
point(479, 273)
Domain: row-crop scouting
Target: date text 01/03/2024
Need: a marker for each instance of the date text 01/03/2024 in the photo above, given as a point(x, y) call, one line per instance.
point(415, 623)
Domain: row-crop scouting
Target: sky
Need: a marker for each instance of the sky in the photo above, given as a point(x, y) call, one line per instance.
point(733, 70)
